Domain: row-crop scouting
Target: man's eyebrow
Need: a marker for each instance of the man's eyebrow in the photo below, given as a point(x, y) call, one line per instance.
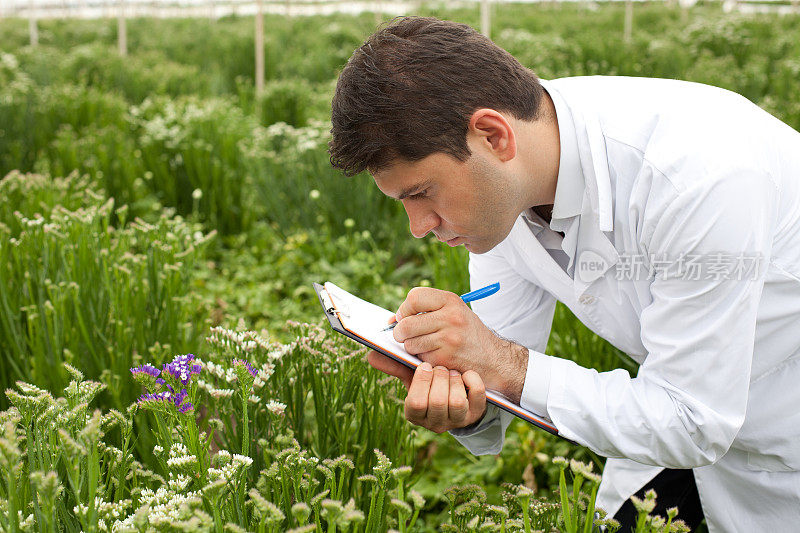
point(408, 191)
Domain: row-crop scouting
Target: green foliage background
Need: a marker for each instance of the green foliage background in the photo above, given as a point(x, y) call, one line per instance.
point(225, 207)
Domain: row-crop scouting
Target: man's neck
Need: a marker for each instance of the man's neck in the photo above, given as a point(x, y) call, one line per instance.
point(539, 153)
point(544, 211)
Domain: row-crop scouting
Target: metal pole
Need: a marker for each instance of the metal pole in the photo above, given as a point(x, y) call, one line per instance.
point(628, 21)
point(122, 30)
point(259, 48)
point(486, 18)
point(33, 29)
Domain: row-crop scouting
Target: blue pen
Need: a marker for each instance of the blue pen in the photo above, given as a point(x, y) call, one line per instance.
point(469, 297)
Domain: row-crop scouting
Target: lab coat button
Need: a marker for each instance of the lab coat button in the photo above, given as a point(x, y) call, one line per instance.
point(586, 299)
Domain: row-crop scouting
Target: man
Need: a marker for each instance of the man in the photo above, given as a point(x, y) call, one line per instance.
point(664, 214)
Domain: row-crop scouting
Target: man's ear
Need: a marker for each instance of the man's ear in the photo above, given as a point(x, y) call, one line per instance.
point(494, 132)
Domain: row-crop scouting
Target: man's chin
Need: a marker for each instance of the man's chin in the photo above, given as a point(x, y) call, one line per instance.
point(475, 249)
point(482, 246)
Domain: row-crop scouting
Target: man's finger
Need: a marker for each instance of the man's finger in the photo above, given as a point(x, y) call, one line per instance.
point(423, 300)
point(458, 406)
point(389, 366)
point(420, 345)
point(416, 404)
point(418, 325)
point(438, 398)
point(476, 395)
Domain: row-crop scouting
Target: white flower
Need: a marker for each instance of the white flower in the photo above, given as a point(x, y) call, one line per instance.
point(220, 394)
point(226, 472)
point(178, 450)
point(179, 483)
point(184, 461)
point(242, 460)
point(314, 194)
point(197, 194)
point(276, 407)
point(27, 523)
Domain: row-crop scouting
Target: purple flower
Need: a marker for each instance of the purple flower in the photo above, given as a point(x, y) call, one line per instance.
point(145, 375)
point(150, 370)
point(178, 400)
point(166, 399)
point(180, 397)
point(152, 400)
point(182, 369)
point(247, 365)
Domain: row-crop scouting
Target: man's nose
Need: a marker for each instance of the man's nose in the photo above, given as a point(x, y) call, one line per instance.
point(420, 220)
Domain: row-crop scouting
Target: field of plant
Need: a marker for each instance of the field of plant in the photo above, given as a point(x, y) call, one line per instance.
point(164, 360)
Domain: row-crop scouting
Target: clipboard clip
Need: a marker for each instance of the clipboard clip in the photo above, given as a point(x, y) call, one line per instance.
point(327, 303)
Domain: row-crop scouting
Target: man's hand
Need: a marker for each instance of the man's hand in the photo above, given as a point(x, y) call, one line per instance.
point(437, 398)
point(450, 334)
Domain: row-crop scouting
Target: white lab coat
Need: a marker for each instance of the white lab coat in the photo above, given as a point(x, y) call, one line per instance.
point(670, 168)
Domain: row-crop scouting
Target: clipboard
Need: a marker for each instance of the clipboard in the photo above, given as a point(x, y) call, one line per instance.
point(335, 313)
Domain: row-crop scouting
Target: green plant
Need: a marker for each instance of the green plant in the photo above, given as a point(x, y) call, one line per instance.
point(74, 288)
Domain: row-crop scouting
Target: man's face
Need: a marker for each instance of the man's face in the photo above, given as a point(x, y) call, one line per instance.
point(471, 203)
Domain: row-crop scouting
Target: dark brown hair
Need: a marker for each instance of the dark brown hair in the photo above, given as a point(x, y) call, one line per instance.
point(411, 88)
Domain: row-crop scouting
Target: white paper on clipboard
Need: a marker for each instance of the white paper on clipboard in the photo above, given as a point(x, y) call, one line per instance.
point(366, 320)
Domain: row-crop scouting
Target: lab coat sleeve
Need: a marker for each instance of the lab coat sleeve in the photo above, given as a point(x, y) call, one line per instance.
point(688, 401)
point(521, 312)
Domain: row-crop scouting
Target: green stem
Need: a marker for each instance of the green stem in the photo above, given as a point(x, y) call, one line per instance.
point(12, 500)
point(588, 526)
point(217, 518)
point(413, 519)
point(640, 522)
point(371, 513)
point(94, 474)
point(565, 511)
point(381, 498)
point(525, 518)
point(576, 492)
point(245, 428)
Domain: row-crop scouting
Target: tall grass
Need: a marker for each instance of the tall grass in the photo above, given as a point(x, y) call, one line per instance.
point(67, 466)
point(74, 288)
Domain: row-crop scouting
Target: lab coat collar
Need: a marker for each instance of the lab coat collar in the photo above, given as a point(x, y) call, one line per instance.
point(591, 147)
point(595, 252)
point(570, 184)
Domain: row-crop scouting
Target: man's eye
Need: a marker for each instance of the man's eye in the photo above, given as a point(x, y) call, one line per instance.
point(419, 195)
